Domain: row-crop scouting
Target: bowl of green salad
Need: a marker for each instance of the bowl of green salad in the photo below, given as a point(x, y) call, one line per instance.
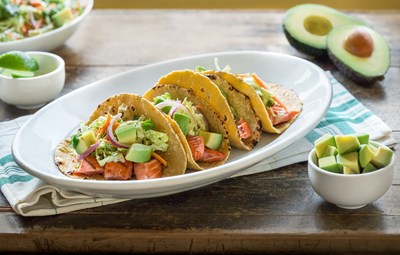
point(40, 25)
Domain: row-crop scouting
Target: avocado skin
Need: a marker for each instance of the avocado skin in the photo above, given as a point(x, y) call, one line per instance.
point(352, 74)
point(318, 53)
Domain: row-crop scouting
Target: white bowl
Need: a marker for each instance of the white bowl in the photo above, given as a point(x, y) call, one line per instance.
point(49, 40)
point(34, 92)
point(349, 191)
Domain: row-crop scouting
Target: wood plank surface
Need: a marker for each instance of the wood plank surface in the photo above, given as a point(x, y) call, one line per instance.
point(276, 211)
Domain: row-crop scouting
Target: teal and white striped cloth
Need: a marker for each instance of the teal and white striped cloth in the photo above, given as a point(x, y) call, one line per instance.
point(30, 196)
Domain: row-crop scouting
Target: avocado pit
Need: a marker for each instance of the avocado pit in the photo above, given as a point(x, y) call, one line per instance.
point(359, 43)
point(317, 25)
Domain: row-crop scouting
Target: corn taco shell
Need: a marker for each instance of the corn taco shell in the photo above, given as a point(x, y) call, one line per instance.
point(205, 89)
point(288, 97)
point(241, 108)
point(214, 122)
point(129, 105)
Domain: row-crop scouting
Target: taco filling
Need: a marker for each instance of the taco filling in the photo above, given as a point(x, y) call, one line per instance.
point(204, 145)
point(127, 142)
point(277, 111)
point(276, 106)
point(200, 129)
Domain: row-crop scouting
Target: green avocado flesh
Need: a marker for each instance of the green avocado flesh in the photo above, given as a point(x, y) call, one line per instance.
point(139, 153)
point(364, 70)
point(354, 154)
point(306, 26)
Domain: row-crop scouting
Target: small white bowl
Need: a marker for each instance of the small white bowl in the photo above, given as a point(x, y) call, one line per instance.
point(350, 191)
point(34, 92)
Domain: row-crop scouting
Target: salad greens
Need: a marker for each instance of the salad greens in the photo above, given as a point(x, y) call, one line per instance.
point(20, 19)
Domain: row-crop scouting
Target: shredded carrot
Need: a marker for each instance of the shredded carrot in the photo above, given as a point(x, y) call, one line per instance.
point(104, 127)
point(116, 124)
point(159, 158)
point(259, 81)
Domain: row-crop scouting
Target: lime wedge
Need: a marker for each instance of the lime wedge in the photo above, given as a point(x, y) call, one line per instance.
point(18, 60)
point(17, 73)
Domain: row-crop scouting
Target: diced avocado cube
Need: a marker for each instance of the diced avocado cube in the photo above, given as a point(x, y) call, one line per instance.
point(330, 151)
point(369, 168)
point(139, 153)
point(84, 141)
point(383, 156)
point(166, 109)
point(349, 160)
point(183, 121)
point(373, 146)
point(363, 138)
point(88, 137)
point(347, 143)
point(126, 133)
point(62, 17)
point(329, 163)
point(158, 100)
point(211, 140)
point(322, 143)
point(365, 154)
point(81, 147)
point(348, 170)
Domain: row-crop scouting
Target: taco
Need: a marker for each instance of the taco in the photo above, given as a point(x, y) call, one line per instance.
point(200, 129)
point(244, 127)
point(276, 106)
point(125, 138)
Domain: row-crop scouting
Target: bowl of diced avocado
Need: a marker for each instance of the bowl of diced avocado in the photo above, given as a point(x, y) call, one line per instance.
point(350, 171)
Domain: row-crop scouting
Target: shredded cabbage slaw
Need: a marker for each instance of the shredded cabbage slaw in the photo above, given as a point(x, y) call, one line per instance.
point(107, 152)
point(20, 19)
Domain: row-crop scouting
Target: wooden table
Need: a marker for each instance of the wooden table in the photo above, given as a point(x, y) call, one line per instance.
point(275, 211)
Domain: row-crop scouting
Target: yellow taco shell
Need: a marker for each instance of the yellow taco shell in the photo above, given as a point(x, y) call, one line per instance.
point(287, 96)
point(213, 119)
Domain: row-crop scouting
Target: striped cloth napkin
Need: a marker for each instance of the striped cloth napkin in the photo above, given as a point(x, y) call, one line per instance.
point(30, 196)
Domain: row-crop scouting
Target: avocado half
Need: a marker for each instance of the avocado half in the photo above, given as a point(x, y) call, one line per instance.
point(366, 60)
point(306, 26)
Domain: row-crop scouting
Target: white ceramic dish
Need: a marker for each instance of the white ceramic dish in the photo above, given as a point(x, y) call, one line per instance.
point(35, 143)
point(49, 40)
point(350, 191)
point(34, 92)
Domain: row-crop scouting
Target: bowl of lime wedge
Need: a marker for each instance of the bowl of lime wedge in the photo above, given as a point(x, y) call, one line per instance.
point(30, 79)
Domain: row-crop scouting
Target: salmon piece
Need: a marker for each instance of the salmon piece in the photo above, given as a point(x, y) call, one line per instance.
point(118, 170)
point(148, 170)
point(196, 144)
point(212, 156)
point(244, 129)
point(89, 166)
point(284, 117)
